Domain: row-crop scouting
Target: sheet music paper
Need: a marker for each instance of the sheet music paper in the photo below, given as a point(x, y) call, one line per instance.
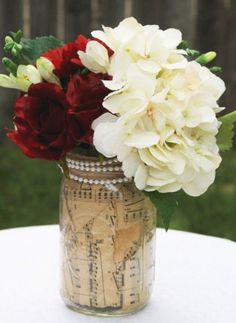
point(108, 240)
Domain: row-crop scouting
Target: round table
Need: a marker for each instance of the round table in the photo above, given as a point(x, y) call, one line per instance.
point(195, 280)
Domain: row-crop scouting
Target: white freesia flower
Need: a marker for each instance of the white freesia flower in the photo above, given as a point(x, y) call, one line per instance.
point(95, 58)
point(46, 68)
point(25, 76)
point(8, 81)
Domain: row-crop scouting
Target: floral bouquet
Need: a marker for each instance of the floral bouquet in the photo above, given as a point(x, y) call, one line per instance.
point(134, 92)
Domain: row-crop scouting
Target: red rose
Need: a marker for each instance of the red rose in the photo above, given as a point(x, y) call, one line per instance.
point(65, 58)
point(85, 95)
point(44, 129)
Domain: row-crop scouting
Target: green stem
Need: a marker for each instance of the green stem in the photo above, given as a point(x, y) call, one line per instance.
point(62, 162)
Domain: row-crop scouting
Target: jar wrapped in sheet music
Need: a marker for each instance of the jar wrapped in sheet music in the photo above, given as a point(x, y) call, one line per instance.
point(107, 237)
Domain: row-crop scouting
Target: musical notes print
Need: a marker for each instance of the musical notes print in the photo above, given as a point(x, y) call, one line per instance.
point(108, 253)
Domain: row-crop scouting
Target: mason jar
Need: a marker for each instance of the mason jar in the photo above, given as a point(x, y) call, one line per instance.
point(108, 232)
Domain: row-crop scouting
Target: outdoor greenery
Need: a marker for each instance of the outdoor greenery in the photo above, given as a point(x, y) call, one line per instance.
point(30, 189)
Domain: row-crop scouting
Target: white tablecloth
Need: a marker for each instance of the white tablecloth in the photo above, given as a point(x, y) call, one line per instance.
point(195, 280)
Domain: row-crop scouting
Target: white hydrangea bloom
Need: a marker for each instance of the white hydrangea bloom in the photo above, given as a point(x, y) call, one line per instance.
point(165, 135)
point(161, 121)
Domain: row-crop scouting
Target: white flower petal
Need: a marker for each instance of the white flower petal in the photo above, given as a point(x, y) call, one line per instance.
point(22, 84)
point(161, 154)
point(175, 61)
point(105, 38)
point(119, 64)
point(106, 137)
point(177, 167)
point(187, 176)
point(95, 49)
point(8, 81)
point(46, 68)
point(200, 184)
point(30, 72)
point(161, 174)
point(172, 37)
point(149, 66)
point(123, 153)
point(148, 158)
point(91, 63)
point(142, 139)
point(130, 164)
point(139, 80)
point(215, 85)
point(170, 188)
point(126, 29)
point(120, 35)
point(141, 177)
point(159, 97)
point(151, 181)
point(122, 102)
point(113, 85)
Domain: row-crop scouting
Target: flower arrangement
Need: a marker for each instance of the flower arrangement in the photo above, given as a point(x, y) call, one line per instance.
point(133, 92)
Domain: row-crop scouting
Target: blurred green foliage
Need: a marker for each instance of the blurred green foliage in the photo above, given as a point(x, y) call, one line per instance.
point(29, 189)
point(29, 194)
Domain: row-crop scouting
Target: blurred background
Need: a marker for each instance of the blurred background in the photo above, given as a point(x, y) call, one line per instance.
point(29, 189)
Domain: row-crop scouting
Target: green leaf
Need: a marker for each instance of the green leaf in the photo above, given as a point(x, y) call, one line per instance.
point(226, 133)
point(165, 204)
point(33, 48)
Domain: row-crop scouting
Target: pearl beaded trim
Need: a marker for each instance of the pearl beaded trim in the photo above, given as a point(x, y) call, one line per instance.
point(104, 166)
point(94, 168)
point(99, 182)
point(91, 164)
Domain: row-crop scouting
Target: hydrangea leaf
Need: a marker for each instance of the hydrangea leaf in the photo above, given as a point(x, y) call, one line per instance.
point(226, 132)
point(33, 48)
point(165, 204)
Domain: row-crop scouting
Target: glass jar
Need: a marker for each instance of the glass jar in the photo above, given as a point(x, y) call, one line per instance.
point(108, 232)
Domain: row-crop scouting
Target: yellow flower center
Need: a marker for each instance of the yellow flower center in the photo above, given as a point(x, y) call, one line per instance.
point(149, 111)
